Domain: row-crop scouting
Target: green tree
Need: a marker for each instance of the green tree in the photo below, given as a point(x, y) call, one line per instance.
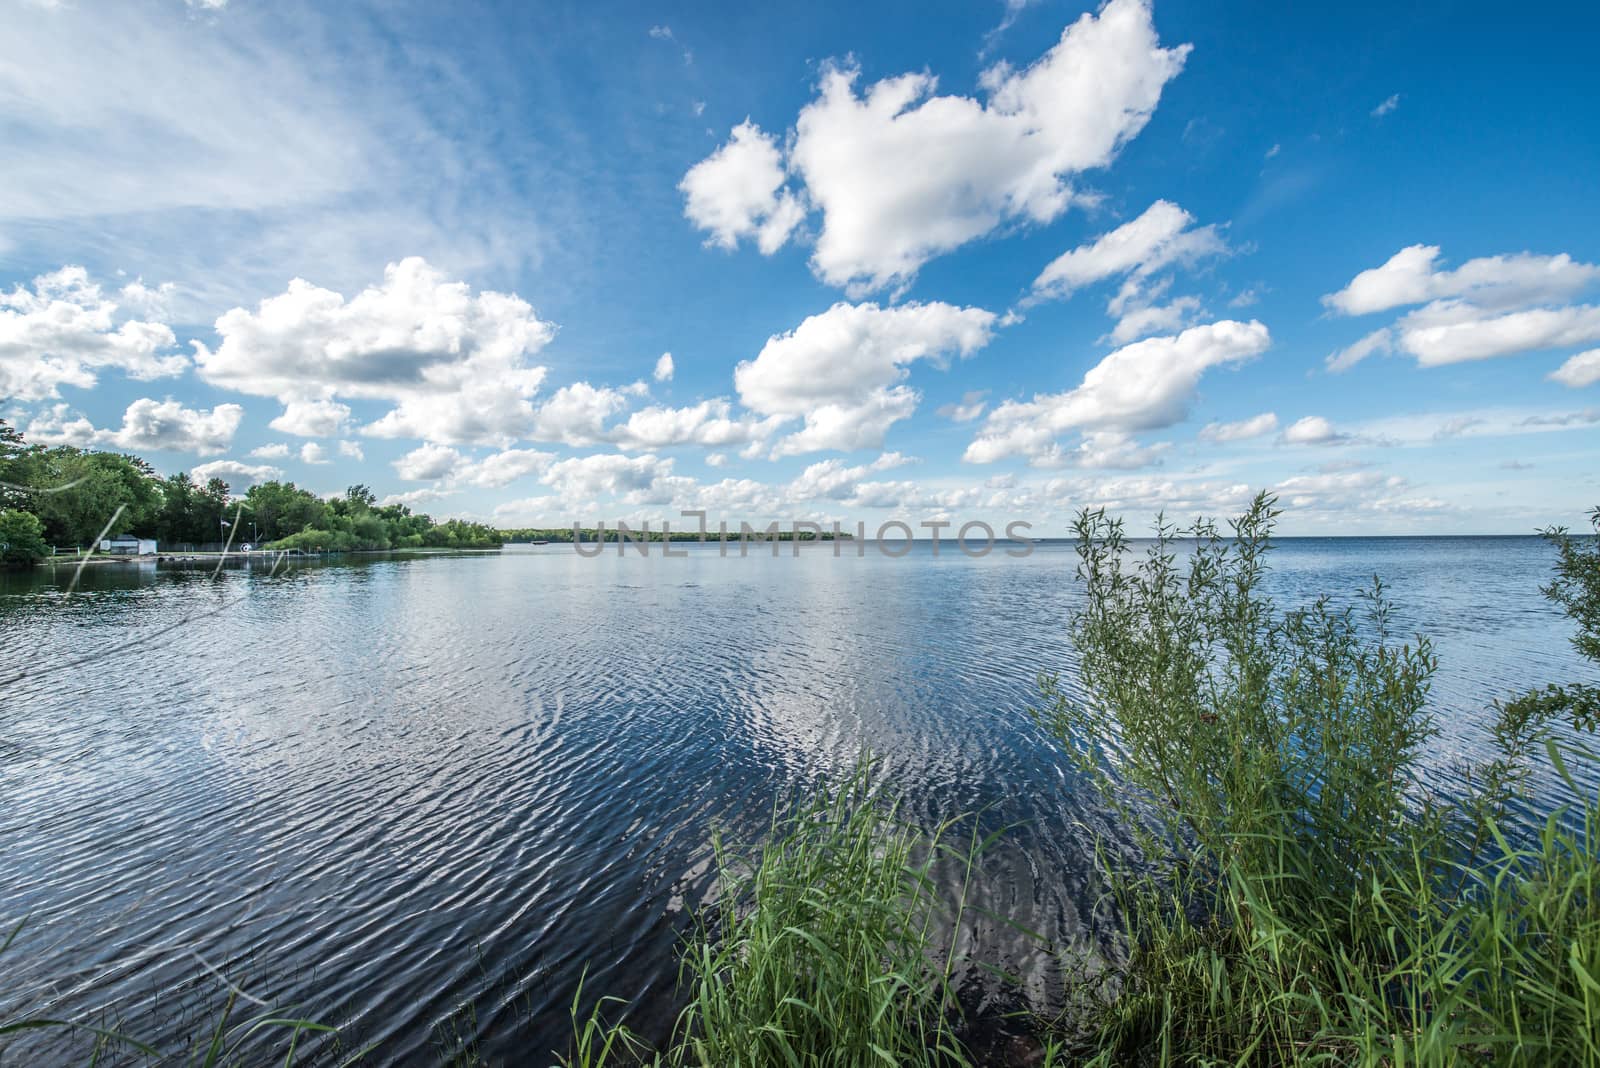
point(76, 493)
point(282, 508)
point(21, 538)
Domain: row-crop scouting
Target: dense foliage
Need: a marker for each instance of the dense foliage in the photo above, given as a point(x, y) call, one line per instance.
point(73, 494)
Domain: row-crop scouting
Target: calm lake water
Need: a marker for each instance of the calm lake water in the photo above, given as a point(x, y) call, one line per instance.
point(387, 789)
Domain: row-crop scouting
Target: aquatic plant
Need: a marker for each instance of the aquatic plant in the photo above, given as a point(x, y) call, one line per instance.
point(829, 944)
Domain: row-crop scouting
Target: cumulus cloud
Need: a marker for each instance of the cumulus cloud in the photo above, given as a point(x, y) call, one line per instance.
point(902, 174)
point(147, 426)
point(837, 480)
point(351, 450)
point(1579, 371)
point(710, 423)
point(428, 462)
point(312, 419)
point(276, 450)
point(663, 371)
point(411, 498)
point(502, 468)
point(738, 192)
point(1488, 307)
point(312, 453)
point(1147, 385)
point(237, 475)
point(576, 414)
point(1313, 430)
point(1411, 276)
point(455, 365)
point(843, 370)
point(64, 330)
point(643, 479)
point(1254, 427)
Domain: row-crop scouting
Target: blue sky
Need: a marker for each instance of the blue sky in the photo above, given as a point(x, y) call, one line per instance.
point(979, 261)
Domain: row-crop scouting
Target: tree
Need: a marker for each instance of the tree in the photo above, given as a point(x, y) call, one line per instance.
point(21, 538)
point(282, 508)
point(76, 493)
point(17, 462)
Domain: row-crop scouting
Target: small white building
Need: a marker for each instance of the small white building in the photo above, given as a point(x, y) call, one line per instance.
point(128, 545)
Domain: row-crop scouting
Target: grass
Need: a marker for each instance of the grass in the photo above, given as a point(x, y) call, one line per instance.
point(828, 946)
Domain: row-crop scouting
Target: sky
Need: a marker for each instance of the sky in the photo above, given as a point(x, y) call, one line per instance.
point(545, 263)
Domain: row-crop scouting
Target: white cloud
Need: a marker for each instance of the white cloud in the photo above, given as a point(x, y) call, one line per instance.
point(1378, 342)
point(312, 419)
point(138, 133)
point(238, 476)
point(1143, 321)
point(1254, 427)
point(1488, 307)
point(1457, 334)
point(843, 370)
point(836, 480)
point(1387, 106)
point(901, 174)
point(455, 365)
point(737, 192)
point(65, 330)
point(632, 479)
point(503, 468)
point(710, 423)
point(147, 426)
point(1147, 385)
point(312, 453)
point(971, 406)
point(1313, 430)
point(276, 450)
point(576, 414)
point(663, 371)
point(1579, 371)
point(1410, 276)
point(1163, 236)
point(533, 512)
point(411, 498)
point(428, 462)
point(351, 450)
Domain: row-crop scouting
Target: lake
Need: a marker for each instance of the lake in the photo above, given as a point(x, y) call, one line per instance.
point(420, 795)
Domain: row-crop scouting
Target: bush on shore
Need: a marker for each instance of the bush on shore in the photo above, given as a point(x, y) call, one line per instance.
point(1300, 896)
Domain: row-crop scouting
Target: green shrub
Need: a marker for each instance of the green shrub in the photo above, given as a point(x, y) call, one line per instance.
point(21, 538)
point(1298, 897)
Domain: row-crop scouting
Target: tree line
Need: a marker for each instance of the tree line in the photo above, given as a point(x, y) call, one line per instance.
point(64, 496)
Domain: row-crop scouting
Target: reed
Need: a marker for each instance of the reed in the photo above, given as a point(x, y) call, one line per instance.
point(828, 945)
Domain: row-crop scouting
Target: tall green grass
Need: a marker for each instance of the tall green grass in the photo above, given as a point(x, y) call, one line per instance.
point(1303, 898)
point(829, 945)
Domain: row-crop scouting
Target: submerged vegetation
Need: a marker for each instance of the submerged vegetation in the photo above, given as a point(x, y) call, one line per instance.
point(826, 946)
point(1297, 891)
